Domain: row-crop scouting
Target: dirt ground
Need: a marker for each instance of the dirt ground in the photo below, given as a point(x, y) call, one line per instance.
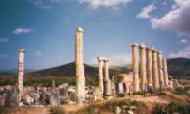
point(148, 100)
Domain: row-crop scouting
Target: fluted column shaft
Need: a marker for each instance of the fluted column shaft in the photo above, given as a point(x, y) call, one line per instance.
point(79, 61)
point(143, 67)
point(155, 70)
point(149, 66)
point(108, 91)
point(20, 74)
point(161, 78)
point(165, 70)
point(101, 85)
point(135, 65)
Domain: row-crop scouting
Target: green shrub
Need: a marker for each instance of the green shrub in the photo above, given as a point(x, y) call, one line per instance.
point(172, 108)
point(89, 110)
point(159, 109)
point(176, 107)
point(3, 110)
point(56, 110)
point(180, 91)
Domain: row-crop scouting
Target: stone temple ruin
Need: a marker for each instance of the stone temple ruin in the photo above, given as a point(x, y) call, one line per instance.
point(149, 69)
point(149, 74)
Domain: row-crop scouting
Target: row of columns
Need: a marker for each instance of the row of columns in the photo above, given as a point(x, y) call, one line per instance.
point(105, 83)
point(149, 68)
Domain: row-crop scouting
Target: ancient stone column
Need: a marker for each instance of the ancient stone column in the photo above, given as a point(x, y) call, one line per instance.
point(165, 71)
point(149, 66)
point(143, 67)
point(20, 75)
point(100, 74)
point(160, 65)
point(135, 65)
point(108, 87)
point(79, 62)
point(155, 70)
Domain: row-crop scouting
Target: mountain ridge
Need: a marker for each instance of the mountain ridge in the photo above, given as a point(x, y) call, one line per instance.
point(177, 67)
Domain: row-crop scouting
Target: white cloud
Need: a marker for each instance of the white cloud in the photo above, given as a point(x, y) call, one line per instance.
point(177, 19)
point(104, 3)
point(18, 31)
point(184, 41)
point(146, 12)
point(185, 52)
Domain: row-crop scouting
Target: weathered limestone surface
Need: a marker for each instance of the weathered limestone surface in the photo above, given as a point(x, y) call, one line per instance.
point(79, 61)
point(105, 83)
point(161, 78)
point(165, 70)
point(107, 79)
point(149, 66)
point(135, 65)
point(143, 67)
point(155, 70)
point(100, 73)
point(20, 74)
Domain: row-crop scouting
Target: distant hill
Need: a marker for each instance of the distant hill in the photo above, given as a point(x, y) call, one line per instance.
point(179, 68)
point(69, 70)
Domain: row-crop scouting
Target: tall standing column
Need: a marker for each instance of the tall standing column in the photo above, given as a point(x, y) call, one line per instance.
point(79, 62)
point(108, 88)
point(155, 70)
point(161, 78)
point(165, 70)
point(149, 66)
point(100, 73)
point(20, 74)
point(135, 65)
point(143, 67)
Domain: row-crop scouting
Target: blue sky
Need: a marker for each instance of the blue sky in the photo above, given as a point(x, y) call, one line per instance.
point(45, 29)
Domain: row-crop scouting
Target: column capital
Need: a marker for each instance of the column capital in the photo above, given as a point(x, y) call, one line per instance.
point(134, 45)
point(142, 46)
point(150, 49)
point(155, 50)
point(100, 58)
point(160, 55)
point(79, 29)
point(103, 59)
point(21, 50)
point(107, 60)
